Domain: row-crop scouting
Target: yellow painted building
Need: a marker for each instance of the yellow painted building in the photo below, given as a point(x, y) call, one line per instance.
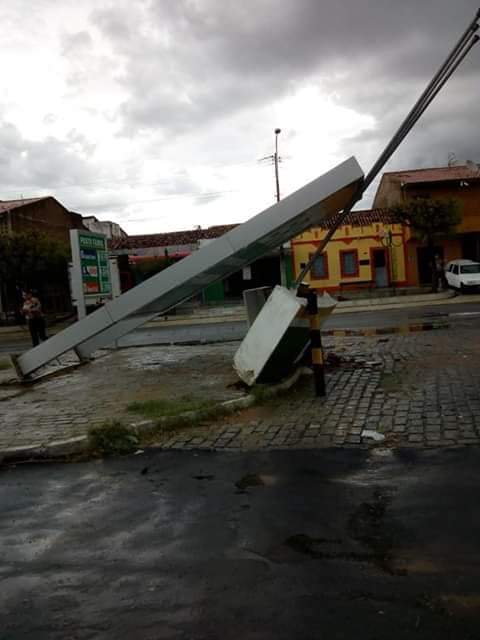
point(459, 183)
point(368, 250)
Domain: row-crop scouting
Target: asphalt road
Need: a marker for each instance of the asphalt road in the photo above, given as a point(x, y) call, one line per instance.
point(454, 314)
point(258, 546)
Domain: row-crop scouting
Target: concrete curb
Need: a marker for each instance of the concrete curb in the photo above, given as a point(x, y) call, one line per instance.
point(396, 300)
point(53, 450)
point(64, 449)
point(381, 331)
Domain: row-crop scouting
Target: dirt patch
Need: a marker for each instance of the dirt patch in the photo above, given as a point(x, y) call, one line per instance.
point(251, 414)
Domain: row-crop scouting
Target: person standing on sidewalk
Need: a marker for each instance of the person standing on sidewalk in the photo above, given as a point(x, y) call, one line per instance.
point(440, 272)
point(32, 310)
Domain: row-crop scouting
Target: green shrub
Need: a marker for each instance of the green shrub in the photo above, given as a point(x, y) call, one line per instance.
point(112, 438)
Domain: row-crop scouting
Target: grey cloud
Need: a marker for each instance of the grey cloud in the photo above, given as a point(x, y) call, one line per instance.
point(74, 44)
point(80, 143)
point(30, 165)
point(193, 65)
point(193, 62)
point(448, 125)
point(104, 205)
point(115, 22)
point(84, 62)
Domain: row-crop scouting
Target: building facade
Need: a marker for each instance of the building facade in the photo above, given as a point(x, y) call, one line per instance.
point(370, 250)
point(45, 215)
point(459, 183)
point(367, 251)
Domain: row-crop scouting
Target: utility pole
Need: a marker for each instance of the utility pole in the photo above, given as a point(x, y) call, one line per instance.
point(283, 264)
point(275, 159)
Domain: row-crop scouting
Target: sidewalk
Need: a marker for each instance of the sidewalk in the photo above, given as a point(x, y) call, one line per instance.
point(415, 390)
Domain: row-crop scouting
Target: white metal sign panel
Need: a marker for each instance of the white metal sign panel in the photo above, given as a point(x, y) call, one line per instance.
point(269, 327)
point(305, 208)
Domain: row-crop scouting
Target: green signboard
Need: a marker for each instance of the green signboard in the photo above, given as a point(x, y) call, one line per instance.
point(94, 264)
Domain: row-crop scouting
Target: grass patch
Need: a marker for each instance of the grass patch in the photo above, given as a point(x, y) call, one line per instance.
point(169, 416)
point(264, 394)
point(391, 382)
point(155, 409)
point(112, 438)
point(261, 393)
point(4, 365)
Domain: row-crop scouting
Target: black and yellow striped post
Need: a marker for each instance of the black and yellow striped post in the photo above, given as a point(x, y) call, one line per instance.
point(316, 344)
point(316, 350)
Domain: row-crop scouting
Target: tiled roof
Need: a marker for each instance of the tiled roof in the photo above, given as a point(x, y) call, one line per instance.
point(174, 238)
point(192, 236)
point(439, 174)
point(362, 218)
point(8, 205)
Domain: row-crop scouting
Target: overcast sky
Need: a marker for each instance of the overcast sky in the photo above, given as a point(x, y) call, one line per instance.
point(155, 113)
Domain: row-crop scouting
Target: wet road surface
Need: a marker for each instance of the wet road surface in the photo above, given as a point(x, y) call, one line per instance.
point(235, 330)
point(270, 545)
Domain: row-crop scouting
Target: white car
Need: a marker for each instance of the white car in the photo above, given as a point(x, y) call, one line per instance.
point(463, 275)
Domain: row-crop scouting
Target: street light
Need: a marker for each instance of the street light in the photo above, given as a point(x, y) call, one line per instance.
point(283, 266)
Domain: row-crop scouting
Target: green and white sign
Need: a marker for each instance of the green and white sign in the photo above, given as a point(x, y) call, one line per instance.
point(94, 264)
point(91, 281)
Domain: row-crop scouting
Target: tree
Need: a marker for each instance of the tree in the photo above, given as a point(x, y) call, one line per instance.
point(31, 260)
point(430, 222)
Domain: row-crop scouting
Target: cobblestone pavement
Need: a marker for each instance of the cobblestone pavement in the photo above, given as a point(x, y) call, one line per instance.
point(66, 406)
point(418, 389)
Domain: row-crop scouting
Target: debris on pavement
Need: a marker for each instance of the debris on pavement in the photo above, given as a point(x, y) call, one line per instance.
point(373, 435)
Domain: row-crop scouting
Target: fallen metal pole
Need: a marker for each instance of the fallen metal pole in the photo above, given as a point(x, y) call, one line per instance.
point(441, 83)
point(418, 110)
